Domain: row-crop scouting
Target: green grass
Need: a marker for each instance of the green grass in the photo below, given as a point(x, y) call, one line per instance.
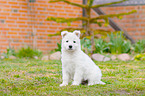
point(23, 77)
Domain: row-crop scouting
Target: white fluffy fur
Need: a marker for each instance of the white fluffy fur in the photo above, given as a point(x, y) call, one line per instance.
point(76, 65)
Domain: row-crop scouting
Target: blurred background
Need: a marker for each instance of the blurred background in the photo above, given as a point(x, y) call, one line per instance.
point(24, 22)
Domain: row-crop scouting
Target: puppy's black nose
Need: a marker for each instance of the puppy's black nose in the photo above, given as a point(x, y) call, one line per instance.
point(70, 46)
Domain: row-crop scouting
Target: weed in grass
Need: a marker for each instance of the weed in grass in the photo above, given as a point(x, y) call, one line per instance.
point(118, 44)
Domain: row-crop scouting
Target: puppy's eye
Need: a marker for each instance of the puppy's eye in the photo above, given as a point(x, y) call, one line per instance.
point(67, 41)
point(74, 41)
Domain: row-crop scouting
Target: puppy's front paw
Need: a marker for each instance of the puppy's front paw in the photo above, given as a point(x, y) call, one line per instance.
point(63, 84)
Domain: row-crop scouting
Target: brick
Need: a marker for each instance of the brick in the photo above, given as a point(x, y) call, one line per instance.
point(13, 33)
point(16, 14)
point(31, 22)
point(5, 6)
point(72, 15)
point(43, 5)
point(139, 38)
point(16, 37)
point(53, 13)
point(23, 18)
point(142, 25)
point(15, 29)
point(43, 12)
point(60, 10)
point(43, 27)
point(3, 2)
point(131, 29)
point(10, 21)
point(24, 7)
point(29, 30)
point(27, 41)
point(6, 10)
point(12, 18)
point(13, 3)
point(40, 8)
point(142, 33)
point(3, 40)
point(140, 29)
point(41, 16)
point(23, 4)
point(23, 15)
point(62, 14)
point(15, 6)
point(24, 11)
point(137, 33)
point(130, 8)
point(76, 8)
point(39, 41)
point(71, 11)
point(23, 26)
point(68, 7)
point(50, 10)
point(21, 0)
point(2, 17)
point(54, 27)
point(36, 26)
point(131, 33)
point(12, 25)
point(40, 30)
point(41, 1)
point(4, 44)
point(4, 13)
point(31, 15)
point(15, 44)
point(142, 7)
point(58, 6)
point(56, 24)
point(23, 33)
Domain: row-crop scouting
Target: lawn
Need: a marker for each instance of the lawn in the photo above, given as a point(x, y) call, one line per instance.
point(26, 77)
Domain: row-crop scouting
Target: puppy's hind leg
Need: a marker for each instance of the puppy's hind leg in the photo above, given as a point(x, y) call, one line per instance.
point(100, 82)
point(96, 82)
point(77, 78)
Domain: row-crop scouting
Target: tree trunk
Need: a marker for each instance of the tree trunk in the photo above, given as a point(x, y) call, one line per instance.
point(92, 42)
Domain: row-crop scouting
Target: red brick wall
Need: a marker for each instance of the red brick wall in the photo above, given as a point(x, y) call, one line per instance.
point(24, 24)
point(134, 24)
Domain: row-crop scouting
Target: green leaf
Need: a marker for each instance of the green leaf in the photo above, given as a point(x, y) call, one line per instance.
point(100, 24)
point(88, 37)
point(90, 3)
point(120, 17)
point(111, 15)
point(106, 22)
point(56, 34)
point(68, 23)
point(66, 20)
point(107, 4)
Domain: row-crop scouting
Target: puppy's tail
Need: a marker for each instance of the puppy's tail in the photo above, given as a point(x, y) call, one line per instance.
point(100, 82)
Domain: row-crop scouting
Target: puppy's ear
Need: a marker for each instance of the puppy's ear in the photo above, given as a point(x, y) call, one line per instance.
point(77, 32)
point(63, 33)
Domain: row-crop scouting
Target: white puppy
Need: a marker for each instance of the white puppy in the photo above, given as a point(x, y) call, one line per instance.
point(76, 65)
